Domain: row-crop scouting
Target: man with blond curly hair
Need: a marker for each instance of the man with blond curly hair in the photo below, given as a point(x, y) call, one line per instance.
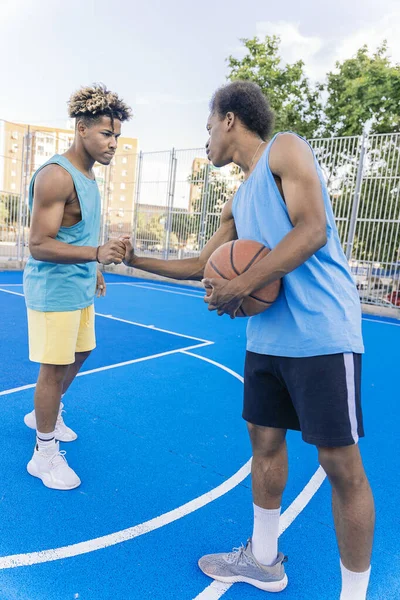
point(61, 277)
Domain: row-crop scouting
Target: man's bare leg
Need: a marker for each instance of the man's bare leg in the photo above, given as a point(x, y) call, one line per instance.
point(269, 476)
point(354, 516)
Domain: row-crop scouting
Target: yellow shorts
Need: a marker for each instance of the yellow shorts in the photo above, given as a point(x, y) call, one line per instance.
point(54, 337)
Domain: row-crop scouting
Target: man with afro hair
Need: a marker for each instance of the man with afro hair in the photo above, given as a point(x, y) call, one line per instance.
point(61, 276)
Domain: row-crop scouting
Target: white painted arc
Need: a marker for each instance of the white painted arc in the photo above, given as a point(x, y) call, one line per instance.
point(216, 589)
point(34, 558)
point(31, 558)
point(213, 362)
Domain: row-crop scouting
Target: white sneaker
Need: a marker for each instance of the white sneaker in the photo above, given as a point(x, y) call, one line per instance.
point(52, 468)
point(63, 433)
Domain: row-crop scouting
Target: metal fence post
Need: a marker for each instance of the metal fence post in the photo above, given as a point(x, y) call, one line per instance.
point(356, 197)
point(104, 210)
point(204, 214)
point(137, 197)
point(170, 200)
point(26, 150)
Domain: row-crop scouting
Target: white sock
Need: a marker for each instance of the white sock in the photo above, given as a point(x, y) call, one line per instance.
point(45, 441)
point(264, 542)
point(354, 585)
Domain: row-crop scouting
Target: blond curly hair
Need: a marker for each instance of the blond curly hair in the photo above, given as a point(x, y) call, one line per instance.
point(90, 103)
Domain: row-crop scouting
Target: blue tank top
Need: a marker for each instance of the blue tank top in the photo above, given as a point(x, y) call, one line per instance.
point(50, 287)
point(318, 310)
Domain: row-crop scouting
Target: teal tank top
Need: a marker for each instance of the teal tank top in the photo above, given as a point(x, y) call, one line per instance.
point(50, 287)
point(318, 310)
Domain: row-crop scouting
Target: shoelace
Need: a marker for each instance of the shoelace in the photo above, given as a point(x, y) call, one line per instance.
point(238, 555)
point(58, 458)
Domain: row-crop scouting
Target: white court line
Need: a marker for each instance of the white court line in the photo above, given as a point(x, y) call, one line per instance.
point(160, 289)
point(34, 558)
point(153, 283)
point(189, 337)
point(31, 558)
point(10, 292)
point(173, 287)
point(213, 362)
point(381, 322)
point(114, 366)
point(217, 589)
point(152, 327)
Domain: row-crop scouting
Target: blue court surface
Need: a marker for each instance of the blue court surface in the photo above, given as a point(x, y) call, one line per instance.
point(163, 455)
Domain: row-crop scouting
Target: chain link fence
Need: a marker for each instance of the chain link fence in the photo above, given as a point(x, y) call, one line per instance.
point(171, 202)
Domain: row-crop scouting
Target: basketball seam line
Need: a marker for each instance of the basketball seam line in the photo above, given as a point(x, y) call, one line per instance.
point(232, 263)
point(253, 259)
point(217, 270)
point(260, 299)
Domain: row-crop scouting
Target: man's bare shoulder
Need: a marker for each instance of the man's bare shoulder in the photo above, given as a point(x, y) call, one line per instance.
point(55, 180)
point(288, 148)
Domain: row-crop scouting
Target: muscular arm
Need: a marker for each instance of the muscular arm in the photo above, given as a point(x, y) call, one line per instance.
point(188, 268)
point(292, 161)
point(53, 188)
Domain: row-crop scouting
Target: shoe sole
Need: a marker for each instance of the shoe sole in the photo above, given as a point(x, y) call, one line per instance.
point(59, 439)
point(32, 470)
point(266, 586)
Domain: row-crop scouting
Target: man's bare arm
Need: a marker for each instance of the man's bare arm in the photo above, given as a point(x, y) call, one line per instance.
point(187, 268)
point(292, 161)
point(53, 188)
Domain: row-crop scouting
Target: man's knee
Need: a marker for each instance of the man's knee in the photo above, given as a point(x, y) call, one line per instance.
point(53, 373)
point(266, 441)
point(343, 466)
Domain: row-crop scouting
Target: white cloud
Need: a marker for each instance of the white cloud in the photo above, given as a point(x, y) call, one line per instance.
point(294, 46)
point(13, 9)
point(387, 28)
point(320, 54)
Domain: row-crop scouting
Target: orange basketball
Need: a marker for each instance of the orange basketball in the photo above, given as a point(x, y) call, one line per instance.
point(234, 258)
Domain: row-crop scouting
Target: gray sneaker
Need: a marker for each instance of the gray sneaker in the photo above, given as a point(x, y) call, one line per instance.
point(240, 565)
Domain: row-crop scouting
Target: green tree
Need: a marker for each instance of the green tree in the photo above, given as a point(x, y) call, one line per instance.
point(149, 229)
point(213, 189)
point(297, 104)
point(182, 225)
point(363, 88)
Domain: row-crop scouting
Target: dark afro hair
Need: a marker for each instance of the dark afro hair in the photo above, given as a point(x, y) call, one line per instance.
point(246, 100)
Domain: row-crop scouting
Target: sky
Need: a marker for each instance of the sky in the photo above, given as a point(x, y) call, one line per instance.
point(166, 59)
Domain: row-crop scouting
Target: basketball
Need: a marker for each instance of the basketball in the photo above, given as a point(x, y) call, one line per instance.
point(234, 258)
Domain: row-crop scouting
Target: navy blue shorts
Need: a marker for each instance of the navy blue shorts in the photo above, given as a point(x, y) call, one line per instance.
point(319, 396)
